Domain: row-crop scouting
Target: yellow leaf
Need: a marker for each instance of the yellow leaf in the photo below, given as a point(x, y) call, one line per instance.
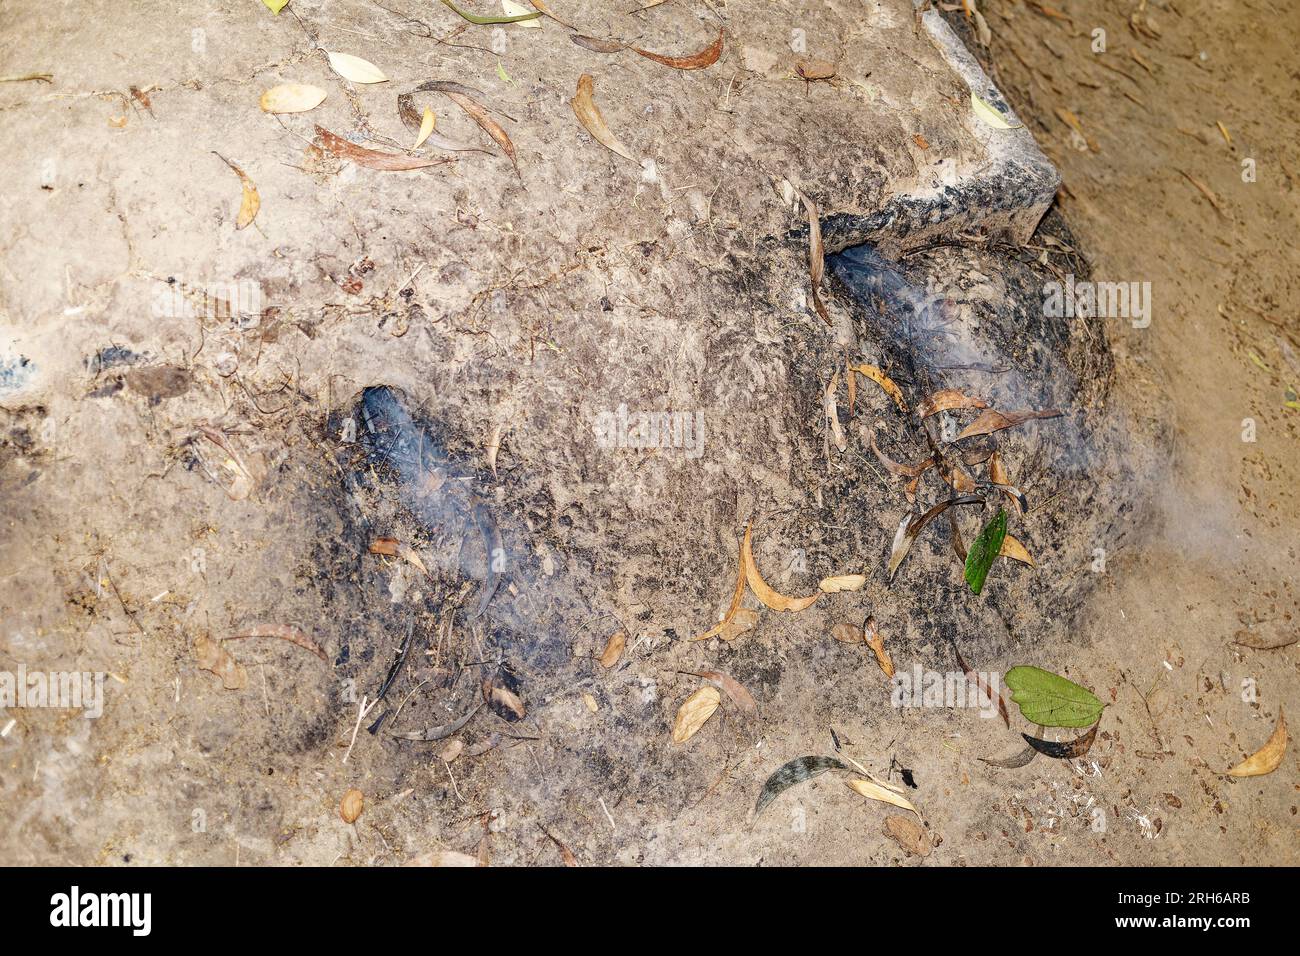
point(355, 69)
point(292, 98)
point(874, 791)
point(843, 582)
point(426, 128)
point(989, 115)
point(513, 9)
point(1268, 757)
point(694, 713)
point(584, 105)
point(773, 599)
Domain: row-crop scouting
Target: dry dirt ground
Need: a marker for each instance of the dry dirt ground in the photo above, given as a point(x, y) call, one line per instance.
point(171, 476)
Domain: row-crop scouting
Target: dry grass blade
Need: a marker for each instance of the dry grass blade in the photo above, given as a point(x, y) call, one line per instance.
point(589, 115)
point(1267, 758)
point(373, 158)
point(771, 598)
point(695, 61)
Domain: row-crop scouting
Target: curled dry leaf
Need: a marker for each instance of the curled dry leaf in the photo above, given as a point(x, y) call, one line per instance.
point(732, 609)
point(695, 61)
point(1015, 761)
point(613, 649)
point(912, 525)
point(351, 805)
point(992, 420)
point(292, 98)
point(884, 381)
point(830, 409)
point(211, 656)
point(250, 202)
point(895, 468)
point(741, 697)
point(796, 771)
point(984, 687)
point(1268, 757)
point(589, 115)
point(816, 257)
point(874, 791)
point(414, 121)
point(842, 582)
point(373, 158)
point(1066, 750)
point(490, 126)
point(945, 400)
point(694, 713)
point(355, 69)
point(997, 470)
point(442, 730)
point(283, 632)
point(1013, 549)
point(391, 547)
point(769, 597)
point(876, 642)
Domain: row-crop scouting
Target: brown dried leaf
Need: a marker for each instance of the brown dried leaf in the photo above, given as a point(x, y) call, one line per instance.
point(695, 61)
point(816, 256)
point(984, 688)
point(895, 468)
point(212, 656)
point(830, 409)
point(773, 599)
point(744, 620)
point(877, 644)
point(373, 158)
point(1013, 549)
point(735, 690)
point(596, 45)
point(885, 382)
point(945, 400)
point(283, 632)
point(694, 713)
point(1066, 750)
point(1268, 757)
point(589, 115)
point(848, 634)
point(992, 421)
point(613, 649)
point(250, 202)
point(736, 598)
point(912, 525)
point(351, 805)
point(490, 126)
point(908, 834)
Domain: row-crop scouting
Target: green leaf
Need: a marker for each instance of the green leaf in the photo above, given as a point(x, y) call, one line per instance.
point(472, 18)
point(275, 6)
point(1051, 700)
point(984, 551)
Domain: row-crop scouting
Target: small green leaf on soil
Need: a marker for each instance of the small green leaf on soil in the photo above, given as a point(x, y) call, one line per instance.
point(275, 6)
point(1051, 700)
point(984, 550)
